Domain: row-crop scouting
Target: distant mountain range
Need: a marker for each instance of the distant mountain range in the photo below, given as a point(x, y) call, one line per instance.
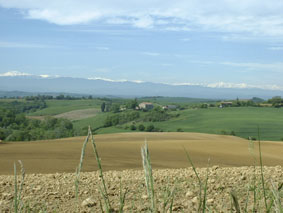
point(99, 87)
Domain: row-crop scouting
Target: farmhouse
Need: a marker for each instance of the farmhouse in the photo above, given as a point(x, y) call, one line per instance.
point(146, 105)
point(225, 104)
point(170, 107)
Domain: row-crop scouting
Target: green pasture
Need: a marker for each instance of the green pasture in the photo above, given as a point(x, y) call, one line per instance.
point(55, 107)
point(243, 121)
point(175, 100)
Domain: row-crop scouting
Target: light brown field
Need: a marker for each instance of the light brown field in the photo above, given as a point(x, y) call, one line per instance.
point(122, 151)
point(72, 115)
point(78, 114)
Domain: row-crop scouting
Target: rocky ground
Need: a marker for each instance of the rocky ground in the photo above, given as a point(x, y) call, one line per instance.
point(56, 192)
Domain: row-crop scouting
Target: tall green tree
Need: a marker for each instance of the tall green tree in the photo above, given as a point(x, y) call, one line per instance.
point(102, 107)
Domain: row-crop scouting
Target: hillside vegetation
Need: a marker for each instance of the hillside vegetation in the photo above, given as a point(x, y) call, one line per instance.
point(242, 118)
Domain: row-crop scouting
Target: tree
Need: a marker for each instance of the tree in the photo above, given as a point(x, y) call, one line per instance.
point(141, 127)
point(115, 108)
point(103, 107)
point(132, 104)
point(150, 128)
point(133, 127)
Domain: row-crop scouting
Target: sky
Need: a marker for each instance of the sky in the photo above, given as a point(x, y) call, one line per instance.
point(219, 43)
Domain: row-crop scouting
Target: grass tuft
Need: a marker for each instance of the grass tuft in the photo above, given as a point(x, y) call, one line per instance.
point(149, 181)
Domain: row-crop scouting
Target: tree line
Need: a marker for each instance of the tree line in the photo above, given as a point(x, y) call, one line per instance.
point(17, 127)
point(23, 106)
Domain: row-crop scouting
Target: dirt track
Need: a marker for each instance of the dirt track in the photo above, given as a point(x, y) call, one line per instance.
point(122, 151)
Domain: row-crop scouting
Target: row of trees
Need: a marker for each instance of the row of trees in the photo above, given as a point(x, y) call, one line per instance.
point(109, 106)
point(276, 101)
point(155, 115)
point(16, 127)
point(121, 118)
point(23, 106)
point(58, 97)
point(141, 127)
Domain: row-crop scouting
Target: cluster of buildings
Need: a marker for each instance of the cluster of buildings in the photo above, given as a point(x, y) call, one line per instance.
point(149, 106)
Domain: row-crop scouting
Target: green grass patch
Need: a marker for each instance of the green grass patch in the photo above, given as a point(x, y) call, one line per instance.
point(243, 121)
point(55, 107)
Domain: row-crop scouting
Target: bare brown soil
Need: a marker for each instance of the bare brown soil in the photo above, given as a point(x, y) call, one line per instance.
point(56, 192)
point(122, 151)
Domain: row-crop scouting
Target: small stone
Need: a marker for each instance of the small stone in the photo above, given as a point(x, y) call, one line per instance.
point(144, 197)
point(52, 193)
point(176, 208)
point(210, 201)
point(215, 167)
point(195, 200)
point(7, 196)
point(37, 188)
point(127, 207)
point(89, 202)
point(189, 194)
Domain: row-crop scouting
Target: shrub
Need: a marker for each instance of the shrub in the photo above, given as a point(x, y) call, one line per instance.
point(156, 115)
point(150, 128)
point(223, 132)
point(180, 130)
point(141, 127)
point(133, 127)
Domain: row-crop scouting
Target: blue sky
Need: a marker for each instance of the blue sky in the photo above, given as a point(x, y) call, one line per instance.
point(220, 43)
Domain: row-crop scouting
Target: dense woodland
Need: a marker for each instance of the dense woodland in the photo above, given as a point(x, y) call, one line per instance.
point(15, 126)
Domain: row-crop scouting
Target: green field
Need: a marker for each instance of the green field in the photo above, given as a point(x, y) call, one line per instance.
point(176, 100)
point(244, 121)
point(55, 107)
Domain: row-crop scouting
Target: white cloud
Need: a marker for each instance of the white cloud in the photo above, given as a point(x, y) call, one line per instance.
point(276, 48)
point(138, 81)
point(256, 18)
point(107, 79)
point(275, 67)
point(14, 73)
point(166, 65)
point(151, 53)
point(144, 22)
point(186, 39)
point(45, 76)
point(57, 17)
point(243, 86)
point(5, 44)
point(17, 73)
point(103, 70)
point(102, 48)
point(177, 28)
point(230, 85)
